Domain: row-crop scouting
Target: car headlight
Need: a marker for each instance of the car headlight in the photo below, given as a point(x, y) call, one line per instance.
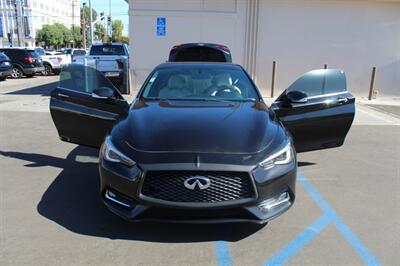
point(283, 156)
point(112, 154)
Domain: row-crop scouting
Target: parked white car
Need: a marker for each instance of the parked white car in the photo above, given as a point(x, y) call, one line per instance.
point(51, 63)
point(70, 55)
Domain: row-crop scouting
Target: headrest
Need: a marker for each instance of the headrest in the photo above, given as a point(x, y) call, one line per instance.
point(176, 82)
point(222, 80)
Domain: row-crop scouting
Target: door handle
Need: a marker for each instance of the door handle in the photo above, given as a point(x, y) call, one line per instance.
point(62, 95)
point(342, 100)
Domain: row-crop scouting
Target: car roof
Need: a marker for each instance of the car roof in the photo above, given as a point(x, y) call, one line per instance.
point(199, 64)
point(109, 43)
point(18, 48)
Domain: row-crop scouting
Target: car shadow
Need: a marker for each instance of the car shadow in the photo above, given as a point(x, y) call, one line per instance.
point(43, 90)
point(301, 164)
point(73, 201)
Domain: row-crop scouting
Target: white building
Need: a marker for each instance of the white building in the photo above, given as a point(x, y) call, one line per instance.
point(299, 35)
point(30, 15)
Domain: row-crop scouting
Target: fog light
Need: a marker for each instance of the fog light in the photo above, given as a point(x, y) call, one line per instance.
point(116, 199)
point(271, 203)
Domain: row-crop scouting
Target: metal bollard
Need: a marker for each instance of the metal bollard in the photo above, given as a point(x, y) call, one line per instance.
point(325, 66)
point(273, 78)
point(371, 86)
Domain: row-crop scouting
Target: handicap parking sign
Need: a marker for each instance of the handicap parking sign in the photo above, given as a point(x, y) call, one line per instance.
point(1, 27)
point(161, 26)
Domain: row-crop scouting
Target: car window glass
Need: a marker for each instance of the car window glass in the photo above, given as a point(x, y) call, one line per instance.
point(39, 51)
point(83, 78)
point(33, 54)
point(200, 83)
point(79, 52)
point(107, 50)
point(335, 81)
point(7, 52)
point(320, 82)
point(199, 54)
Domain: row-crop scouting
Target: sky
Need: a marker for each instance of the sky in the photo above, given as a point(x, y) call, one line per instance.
point(119, 10)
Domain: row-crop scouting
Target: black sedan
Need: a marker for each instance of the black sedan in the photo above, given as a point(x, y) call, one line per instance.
point(5, 66)
point(199, 144)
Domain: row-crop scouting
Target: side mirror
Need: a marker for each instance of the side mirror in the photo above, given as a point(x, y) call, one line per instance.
point(296, 97)
point(104, 93)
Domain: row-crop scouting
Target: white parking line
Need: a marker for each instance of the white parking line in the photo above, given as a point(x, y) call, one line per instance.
point(369, 116)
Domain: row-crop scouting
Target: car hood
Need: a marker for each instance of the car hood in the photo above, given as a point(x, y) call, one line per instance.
point(197, 126)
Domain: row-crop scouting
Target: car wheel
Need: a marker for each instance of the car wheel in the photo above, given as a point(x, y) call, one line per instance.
point(16, 73)
point(56, 72)
point(47, 70)
point(3, 78)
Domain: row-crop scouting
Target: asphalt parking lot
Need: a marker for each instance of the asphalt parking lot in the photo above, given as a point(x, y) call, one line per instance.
point(346, 212)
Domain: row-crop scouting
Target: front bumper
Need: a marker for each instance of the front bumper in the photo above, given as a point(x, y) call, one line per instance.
point(32, 70)
point(5, 72)
point(124, 186)
point(39, 69)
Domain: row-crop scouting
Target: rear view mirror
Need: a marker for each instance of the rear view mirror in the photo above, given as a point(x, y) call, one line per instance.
point(104, 93)
point(296, 97)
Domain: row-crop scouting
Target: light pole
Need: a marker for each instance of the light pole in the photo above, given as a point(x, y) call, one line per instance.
point(90, 21)
point(83, 25)
point(17, 22)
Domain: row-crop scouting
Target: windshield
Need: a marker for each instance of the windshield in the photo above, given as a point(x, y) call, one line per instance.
point(39, 51)
point(200, 83)
point(107, 50)
point(33, 54)
point(79, 52)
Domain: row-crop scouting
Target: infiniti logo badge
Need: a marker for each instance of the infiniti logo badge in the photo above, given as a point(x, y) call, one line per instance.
point(197, 183)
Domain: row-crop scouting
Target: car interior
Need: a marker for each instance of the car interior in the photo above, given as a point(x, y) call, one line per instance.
point(205, 84)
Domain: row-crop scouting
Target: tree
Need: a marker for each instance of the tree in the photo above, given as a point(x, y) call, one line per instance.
point(85, 14)
point(59, 35)
point(125, 39)
point(117, 29)
point(66, 33)
point(77, 36)
point(50, 35)
point(100, 32)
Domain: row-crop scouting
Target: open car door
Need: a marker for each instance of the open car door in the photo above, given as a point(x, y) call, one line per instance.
point(85, 105)
point(317, 110)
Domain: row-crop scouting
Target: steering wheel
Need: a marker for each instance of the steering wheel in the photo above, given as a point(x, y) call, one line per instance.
point(226, 89)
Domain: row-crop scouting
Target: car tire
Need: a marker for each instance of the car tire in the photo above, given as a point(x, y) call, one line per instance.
point(47, 70)
point(3, 78)
point(16, 72)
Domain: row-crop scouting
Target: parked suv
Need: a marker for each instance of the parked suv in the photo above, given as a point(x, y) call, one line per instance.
point(51, 63)
point(203, 52)
point(24, 61)
point(5, 66)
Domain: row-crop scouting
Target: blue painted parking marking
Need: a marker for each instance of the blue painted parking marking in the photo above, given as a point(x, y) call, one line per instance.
point(357, 245)
point(305, 237)
point(223, 253)
point(329, 216)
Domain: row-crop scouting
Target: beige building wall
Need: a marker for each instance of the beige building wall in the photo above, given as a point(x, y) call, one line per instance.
point(299, 35)
point(352, 35)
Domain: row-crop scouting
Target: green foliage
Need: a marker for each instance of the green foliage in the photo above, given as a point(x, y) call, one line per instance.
point(51, 35)
point(117, 29)
point(100, 32)
point(59, 35)
point(77, 36)
point(124, 39)
point(85, 14)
